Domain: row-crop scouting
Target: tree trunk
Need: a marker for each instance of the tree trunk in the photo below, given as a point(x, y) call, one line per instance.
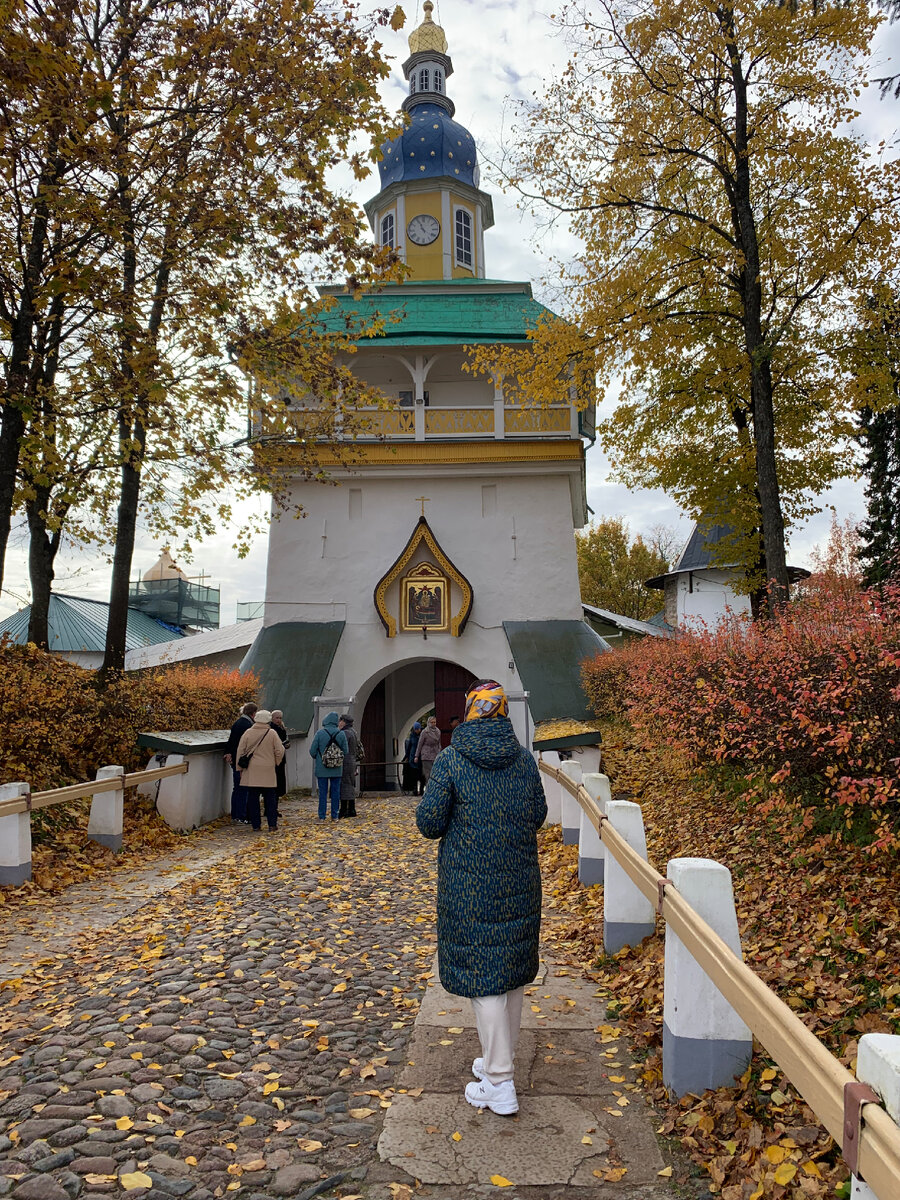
point(761, 398)
point(41, 556)
point(126, 530)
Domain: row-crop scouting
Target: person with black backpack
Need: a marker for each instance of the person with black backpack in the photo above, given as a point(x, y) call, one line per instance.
point(328, 750)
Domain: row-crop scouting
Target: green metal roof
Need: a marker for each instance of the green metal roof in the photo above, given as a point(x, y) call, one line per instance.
point(75, 623)
point(486, 310)
point(292, 660)
point(548, 657)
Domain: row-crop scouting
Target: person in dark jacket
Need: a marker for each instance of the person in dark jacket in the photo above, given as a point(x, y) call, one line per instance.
point(278, 725)
point(328, 776)
point(411, 775)
point(351, 763)
point(238, 792)
point(485, 802)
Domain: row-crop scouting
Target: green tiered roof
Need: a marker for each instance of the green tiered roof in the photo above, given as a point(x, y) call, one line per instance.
point(441, 312)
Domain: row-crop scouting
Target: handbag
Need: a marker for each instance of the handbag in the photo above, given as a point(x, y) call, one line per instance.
point(244, 760)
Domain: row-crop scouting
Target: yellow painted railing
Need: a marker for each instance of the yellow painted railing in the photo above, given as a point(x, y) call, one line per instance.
point(438, 422)
point(537, 420)
point(459, 422)
point(815, 1073)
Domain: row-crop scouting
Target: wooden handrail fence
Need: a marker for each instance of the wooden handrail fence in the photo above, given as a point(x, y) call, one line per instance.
point(78, 791)
point(871, 1142)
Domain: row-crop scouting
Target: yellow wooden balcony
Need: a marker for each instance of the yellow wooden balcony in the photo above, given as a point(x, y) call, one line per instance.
point(445, 423)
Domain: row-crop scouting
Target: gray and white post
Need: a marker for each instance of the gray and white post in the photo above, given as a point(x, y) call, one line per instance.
point(705, 1043)
point(628, 916)
point(590, 847)
point(878, 1065)
point(15, 838)
point(108, 811)
point(571, 809)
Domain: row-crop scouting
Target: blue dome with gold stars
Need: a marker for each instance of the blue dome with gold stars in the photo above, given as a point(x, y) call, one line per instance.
point(432, 145)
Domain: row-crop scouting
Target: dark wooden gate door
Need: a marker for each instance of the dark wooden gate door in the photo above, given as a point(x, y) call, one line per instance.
point(371, 731)
point(450, 686)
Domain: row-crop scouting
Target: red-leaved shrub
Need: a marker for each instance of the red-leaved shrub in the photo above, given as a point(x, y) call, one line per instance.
point(810, 700)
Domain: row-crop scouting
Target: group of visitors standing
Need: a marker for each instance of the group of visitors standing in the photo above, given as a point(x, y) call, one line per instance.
point(420, 750)
point(336, 752)
point(256, 755)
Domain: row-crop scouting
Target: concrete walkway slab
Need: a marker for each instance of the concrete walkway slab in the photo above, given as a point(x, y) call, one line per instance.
point(581, 1121)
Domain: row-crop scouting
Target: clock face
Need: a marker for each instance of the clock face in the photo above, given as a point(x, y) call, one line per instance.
point(423, 229)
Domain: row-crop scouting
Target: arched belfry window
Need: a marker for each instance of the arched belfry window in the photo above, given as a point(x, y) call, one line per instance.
point(438, 80)
point(387, 230)
point(424, 80)
point(463, 238)
point(412, 84)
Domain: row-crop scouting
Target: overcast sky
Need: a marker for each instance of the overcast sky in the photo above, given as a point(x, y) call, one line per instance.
point(501, 53)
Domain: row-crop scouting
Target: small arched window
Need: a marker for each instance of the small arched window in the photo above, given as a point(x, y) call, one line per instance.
point(387, 230)
point(412, 84)
point(438, 80)
point(424, 80)
point(463, 238)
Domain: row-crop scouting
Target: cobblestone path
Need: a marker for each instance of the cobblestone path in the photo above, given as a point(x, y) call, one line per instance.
point(243, 1032)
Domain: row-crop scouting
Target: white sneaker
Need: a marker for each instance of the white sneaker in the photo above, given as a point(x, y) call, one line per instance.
point(478, 1068)
point(500, 1098)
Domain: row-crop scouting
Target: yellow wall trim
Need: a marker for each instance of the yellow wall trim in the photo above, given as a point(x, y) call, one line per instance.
point(419, 453)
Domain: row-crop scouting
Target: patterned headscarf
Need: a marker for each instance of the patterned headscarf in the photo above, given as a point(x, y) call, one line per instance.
point(486, 698)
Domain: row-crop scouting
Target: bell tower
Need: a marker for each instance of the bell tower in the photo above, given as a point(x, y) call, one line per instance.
point(446, 552)
point(430, 208)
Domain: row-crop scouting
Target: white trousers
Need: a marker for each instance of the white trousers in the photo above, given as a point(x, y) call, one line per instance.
point(498, 1019)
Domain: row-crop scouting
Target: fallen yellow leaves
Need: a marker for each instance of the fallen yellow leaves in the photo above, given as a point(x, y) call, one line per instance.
point(308, 1145)
point(135, 1179)
point(501, 1181)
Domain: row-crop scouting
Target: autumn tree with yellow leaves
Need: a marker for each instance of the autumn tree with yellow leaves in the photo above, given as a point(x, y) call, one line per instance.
point(731, 226)
point(166, 200)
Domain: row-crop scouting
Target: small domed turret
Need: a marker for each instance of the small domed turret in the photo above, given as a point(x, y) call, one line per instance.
point(428, 36)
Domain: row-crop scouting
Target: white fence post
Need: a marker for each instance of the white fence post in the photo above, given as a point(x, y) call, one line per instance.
point(705, 1042)
point(590, 847)
point(588, 758)
point(15, 838)
point(107, 812)
point(628, 916)
point(552, 790)
point(878, 1065)
point(571, 809)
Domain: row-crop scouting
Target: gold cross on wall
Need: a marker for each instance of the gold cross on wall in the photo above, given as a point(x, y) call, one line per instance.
point(423, 500)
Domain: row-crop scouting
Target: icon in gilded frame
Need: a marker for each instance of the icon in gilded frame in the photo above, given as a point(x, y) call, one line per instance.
point(425, 599)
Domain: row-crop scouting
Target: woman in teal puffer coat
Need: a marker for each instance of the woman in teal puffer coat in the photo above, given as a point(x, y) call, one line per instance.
point(485, 802)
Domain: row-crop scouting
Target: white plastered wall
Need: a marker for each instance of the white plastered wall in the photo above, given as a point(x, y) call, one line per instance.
point(326, 565)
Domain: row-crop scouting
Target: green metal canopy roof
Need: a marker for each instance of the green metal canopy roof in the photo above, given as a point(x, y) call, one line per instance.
point(483, 310)
point(292, 660)
point(548, 656)
point(75, 623)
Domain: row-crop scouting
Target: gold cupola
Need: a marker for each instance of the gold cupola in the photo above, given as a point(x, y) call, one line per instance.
point(428, 36)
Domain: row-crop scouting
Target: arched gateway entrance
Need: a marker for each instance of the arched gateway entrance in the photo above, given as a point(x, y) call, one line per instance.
point(395, 700)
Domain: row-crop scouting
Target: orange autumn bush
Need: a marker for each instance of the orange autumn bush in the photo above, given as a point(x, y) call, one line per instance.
point(60, 724)
point(804, 706)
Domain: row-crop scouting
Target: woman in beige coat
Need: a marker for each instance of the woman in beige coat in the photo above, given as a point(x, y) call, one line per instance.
point(428, 747)
point(259, 776)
